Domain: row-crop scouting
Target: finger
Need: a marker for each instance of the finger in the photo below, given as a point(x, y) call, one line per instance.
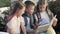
point(55, 15)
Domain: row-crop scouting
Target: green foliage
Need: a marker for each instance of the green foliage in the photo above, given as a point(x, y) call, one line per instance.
point(4, 3)
point(3, 21)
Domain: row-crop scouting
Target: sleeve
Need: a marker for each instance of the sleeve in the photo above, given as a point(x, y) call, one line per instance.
point(22, 20)
point(11, 24)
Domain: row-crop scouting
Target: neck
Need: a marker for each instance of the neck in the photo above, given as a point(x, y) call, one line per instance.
point(42, 11)
point(17, 15)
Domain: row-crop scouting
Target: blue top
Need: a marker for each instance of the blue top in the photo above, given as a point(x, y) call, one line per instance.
point(28, 21)
point(44, 18)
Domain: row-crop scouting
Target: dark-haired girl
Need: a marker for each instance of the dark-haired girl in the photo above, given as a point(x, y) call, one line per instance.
point(43, 14)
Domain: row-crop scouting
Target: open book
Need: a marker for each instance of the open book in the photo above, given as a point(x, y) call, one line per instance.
point(45, 27)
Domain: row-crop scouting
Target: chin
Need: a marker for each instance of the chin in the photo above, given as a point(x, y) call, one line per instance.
point(31, 13)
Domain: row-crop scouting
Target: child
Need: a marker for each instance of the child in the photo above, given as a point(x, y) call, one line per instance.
point(28, 16)
point(15, 20)
point(43, 14)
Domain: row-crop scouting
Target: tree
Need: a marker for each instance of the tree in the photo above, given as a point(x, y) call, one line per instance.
point(4, 3)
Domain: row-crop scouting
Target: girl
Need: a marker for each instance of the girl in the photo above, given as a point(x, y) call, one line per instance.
point(15, 20)
point(43, 14)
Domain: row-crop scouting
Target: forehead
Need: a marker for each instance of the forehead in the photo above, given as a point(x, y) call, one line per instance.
point(42, 5)
point(31, 6)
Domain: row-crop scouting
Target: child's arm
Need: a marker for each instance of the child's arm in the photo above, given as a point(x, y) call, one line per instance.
point(54, 20)
point(36, 20)
point(23, 27)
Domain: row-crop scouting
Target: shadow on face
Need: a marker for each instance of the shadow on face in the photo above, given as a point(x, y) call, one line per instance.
point(30, 9)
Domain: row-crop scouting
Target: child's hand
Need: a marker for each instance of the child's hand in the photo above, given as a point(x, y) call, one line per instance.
point(54, 20)
point(37, 24)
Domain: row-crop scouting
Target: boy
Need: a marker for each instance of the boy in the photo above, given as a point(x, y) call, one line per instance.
point(28, 16)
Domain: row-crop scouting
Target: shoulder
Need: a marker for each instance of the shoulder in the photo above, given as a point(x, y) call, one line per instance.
point(11, 19)
point(50, 14)
point(22, 19)
point(11, 22)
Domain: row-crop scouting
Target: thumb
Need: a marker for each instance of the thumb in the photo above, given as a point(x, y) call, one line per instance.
point(55, 16)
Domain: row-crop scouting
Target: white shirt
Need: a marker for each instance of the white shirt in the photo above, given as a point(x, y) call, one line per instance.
point(14, 24)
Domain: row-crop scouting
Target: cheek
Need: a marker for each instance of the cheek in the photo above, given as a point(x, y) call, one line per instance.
point(22, 12)
point(19, 12)
point(31, 11)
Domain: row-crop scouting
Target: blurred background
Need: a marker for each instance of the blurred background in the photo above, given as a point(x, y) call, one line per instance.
point(5, 9)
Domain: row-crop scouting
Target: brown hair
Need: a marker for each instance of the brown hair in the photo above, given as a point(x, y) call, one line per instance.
point(17, 5)
point(28, 3)
point(41, 2)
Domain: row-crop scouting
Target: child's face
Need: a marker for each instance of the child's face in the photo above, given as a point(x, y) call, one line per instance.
point(30, 9)
point(21, 11)
point(42, 7)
